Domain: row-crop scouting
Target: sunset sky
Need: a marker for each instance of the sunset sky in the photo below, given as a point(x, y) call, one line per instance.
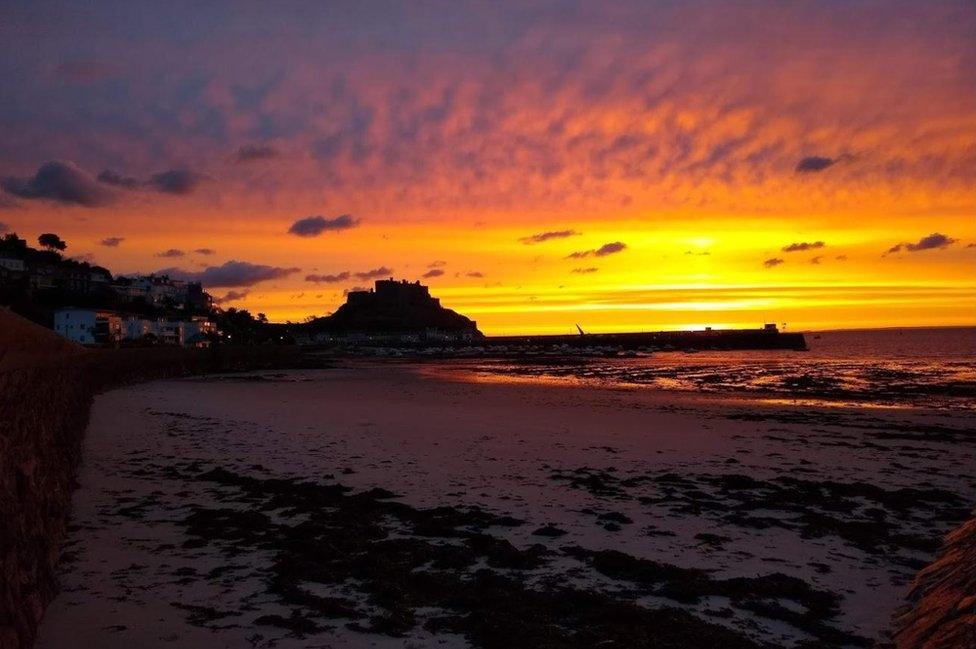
point(624, 166)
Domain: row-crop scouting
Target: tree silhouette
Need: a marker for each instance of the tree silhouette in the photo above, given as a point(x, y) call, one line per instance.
point(51, 241)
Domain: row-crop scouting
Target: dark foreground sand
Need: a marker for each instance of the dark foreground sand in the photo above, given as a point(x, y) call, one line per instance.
point(210, 514)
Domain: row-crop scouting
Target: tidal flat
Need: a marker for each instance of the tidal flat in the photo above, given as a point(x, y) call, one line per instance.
point(384, 504)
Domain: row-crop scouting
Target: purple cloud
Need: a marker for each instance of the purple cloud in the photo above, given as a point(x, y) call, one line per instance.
point(328, 279)
point(60, 181)
point(231, 296)
point(546, 236)
point(814, 164)
point(804, 245)
point(112, 242)
point(176, 181)
point(376, 273)
point(115, 179)
point(231, 274)
point(935, 241)
point(604, 250)
point(773, 262)
point(172, 253)
point(313, 226)
point(433, 272)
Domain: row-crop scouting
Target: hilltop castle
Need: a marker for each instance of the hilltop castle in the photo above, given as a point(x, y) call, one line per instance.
point(399, 310)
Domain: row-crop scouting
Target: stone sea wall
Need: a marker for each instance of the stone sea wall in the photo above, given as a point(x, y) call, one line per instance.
point(46, 390)
point(942, 613)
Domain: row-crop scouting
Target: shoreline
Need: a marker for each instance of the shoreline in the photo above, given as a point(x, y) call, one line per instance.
point(696, 437)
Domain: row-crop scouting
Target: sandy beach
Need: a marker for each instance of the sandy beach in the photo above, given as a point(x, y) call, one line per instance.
point(365, 506)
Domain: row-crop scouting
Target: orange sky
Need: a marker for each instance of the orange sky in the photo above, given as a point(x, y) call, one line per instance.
point(707, 138)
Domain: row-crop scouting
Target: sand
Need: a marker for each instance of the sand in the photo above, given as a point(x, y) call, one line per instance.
point(194, 526)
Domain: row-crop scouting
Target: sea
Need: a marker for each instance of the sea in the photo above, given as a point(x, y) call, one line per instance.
point(886, 368)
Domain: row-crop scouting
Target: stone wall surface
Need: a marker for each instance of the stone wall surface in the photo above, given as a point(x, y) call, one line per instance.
point(942, 612)
point(47, 385)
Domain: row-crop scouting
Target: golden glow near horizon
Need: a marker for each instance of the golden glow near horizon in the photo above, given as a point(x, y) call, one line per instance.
point(707, 147)
point(665, 279)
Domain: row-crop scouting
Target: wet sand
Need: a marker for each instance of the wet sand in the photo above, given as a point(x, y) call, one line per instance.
point(393, 505)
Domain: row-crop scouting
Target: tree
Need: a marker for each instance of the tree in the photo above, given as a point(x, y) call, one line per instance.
point(51, 241)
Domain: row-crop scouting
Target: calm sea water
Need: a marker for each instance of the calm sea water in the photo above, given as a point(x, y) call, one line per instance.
point(934, 368)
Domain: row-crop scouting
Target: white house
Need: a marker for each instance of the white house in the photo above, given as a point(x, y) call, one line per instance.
point(88, 326)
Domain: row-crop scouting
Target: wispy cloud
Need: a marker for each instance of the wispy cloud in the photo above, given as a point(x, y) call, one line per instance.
point(231, 296)
point(804, 245)
point(604, 250)
point(328, 279)
point(376, 273)
point(934, 241)
point(174, 181)
point(540, 237)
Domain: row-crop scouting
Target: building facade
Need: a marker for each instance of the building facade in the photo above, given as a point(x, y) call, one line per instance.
point(89, 326)
point(99, 327)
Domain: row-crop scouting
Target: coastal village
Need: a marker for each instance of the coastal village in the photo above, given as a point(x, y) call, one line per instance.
point(86, 304)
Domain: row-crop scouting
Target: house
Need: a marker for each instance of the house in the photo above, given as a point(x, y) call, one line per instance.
point(129, 290)
point(12, 264)
point(187, 333)
point(196, 332)
point(89, 326)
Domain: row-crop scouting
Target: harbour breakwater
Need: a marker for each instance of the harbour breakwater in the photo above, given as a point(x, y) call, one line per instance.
point(46, 389)
point(709, 339)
